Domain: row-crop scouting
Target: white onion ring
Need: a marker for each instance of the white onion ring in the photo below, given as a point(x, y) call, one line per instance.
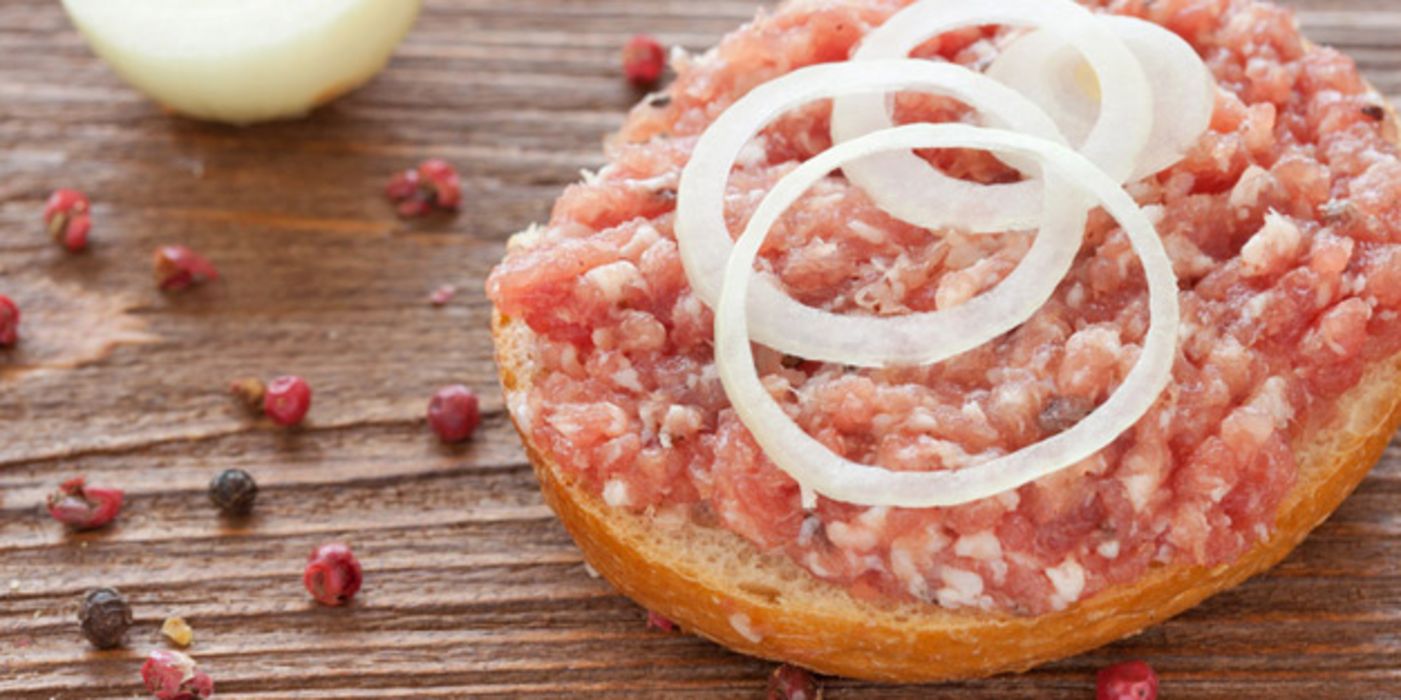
point(909, 188)
point(1049, 70)
point(820, 471)
point(783, 323)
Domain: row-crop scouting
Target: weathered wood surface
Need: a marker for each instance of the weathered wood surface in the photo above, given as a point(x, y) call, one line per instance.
point(472, 588)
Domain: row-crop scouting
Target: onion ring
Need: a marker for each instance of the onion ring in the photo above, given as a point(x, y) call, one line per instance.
point(911, 189)
point(1047, 69)
point(818, 470)
point(779, 321)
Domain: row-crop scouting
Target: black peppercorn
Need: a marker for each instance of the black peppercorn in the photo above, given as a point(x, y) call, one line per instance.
point(105, 617)
point(233, 491)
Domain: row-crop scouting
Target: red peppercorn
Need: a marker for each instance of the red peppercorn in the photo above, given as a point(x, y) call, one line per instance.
point(84, 507)
point(287, 400)
point(67, 219)
point(9, 322)
point(792, 683)
point(454, 413)
point(435, 184)
point(442, 295)
point(442, 181)
point(171, 675)
point(402, 186)
point(177, 267)
point(656, 621)
point(644, 60)
point(1131, 680)
point(332, 575)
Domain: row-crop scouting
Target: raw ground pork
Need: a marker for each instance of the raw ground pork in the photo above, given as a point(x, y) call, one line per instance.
point(1283, 224)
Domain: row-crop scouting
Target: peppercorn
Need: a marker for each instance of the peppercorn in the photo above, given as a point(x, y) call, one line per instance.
point(1131, 680)
point(177, 267)
point(793, 683)
point(105, 617)
point(332, 575)
point(454, 413)
point(67, 220)
point(434, 184)
point(171, 675)
point(233, 491)
point(84, 507)
point(249, 391)
point(9, 322)
point(644, 61)
point(442, 295)
point(287, 400)
point(659, 622)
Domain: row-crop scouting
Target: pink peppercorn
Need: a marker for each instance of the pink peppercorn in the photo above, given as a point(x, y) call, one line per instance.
point(67, 218)
point(84, 507)
point(644, 60)
point(9, 322)
point(792, 683)
point(659, 622)
point(435, 184)
point(442, 295)
point(286, 400)
point(1131, 680)
point(171, 675)
point(332, 575)
point(177, 267)
point(454, 413)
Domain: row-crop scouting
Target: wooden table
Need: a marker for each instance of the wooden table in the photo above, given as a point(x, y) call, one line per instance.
point(472, 588)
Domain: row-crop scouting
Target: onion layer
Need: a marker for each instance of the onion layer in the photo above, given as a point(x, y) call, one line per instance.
point(1049, 70)
point(779, 321)
point(820, 471)
point(910, 188)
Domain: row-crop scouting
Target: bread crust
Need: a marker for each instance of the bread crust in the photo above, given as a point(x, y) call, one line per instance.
point(673, 569)
point(719, 586)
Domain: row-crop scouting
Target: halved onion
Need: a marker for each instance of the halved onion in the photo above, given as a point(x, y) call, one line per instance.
point(819, 470)
point(1048, 69)
point(244, 61)
point(911, 189)
point(782, 323)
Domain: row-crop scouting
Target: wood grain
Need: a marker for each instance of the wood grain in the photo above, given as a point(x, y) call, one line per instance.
point(472, 588)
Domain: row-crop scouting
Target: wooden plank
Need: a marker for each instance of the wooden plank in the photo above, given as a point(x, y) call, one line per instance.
point(472, 588)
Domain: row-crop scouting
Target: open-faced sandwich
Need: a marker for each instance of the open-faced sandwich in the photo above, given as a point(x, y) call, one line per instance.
point(934, 339)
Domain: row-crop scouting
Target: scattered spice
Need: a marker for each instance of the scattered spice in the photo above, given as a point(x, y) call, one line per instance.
point(177, 267)
point(332, 575)
point(454, 413)
point(442, 295)
point(233, 491)
point(1062, 413)
point(793, 683)
point(171, 675)
point(178, 631)
point(644, 60)
point(1131, 680)
point(84, 507)
point(9, 322)
point(105, 617)
point(434, 184)
point(287, 400)
point(249, 391)
point(67, 218)
point(656, 621)
point(1374, 112)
